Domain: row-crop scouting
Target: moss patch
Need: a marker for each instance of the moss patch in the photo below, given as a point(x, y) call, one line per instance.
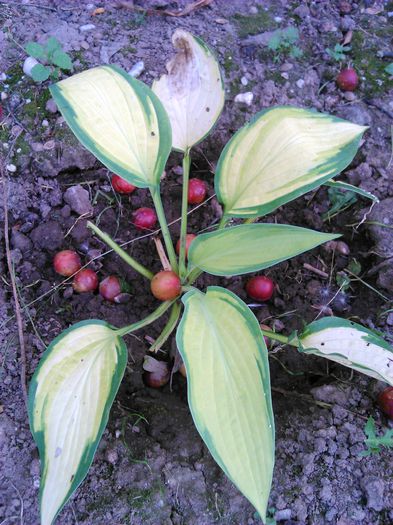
point(367, 63)
point(254, 24)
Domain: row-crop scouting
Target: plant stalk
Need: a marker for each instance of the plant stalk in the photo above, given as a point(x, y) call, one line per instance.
point(184, 207)
point(278, 337)
point(156, 196)
point(168, 329)
point(147, 320)
point(120, 252)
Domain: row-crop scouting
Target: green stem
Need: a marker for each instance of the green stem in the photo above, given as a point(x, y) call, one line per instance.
point(144, 322)
point(168, 329)
point(196, 272)
point(120, 252)
point(278, 337)
point(184, 207)
point(155, 193)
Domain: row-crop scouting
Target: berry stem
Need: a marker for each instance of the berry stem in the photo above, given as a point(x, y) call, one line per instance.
point(279, 337)
point(168, 329)
point(120, 332)
point(156, 196)
point(120, 252)
point(184, 208)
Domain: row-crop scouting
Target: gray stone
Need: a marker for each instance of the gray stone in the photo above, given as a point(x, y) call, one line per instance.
point(374, 489)
point(21, 242)
point(302, 11)
point(51, 106)
point(73, 155)
point(355, 113)
point(329, 394)
point(382, 236)
point(79, 200)
point(48, 235)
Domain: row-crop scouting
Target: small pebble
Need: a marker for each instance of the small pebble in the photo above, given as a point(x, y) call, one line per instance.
point(300, 83)
point(87, 27)
point(285, 75)
point(51, 106)
point(137, 69)
point(11, 168)
point(3, 77)
point(50, 144)
point(350, 96)
point(287, 66)
point(244, 98)
point(4, 95)
point(244, 81)
point(45, 123)
point(278, 19)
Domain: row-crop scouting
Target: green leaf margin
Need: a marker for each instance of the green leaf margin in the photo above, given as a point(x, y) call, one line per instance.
point(264, 370)
point(325, 237)
point(144, 93)
point(88, 455)
point(341, 160)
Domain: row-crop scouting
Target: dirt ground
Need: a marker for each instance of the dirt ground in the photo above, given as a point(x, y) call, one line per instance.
point(151, 467)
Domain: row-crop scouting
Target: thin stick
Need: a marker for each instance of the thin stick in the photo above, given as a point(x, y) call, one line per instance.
point(315, 270)
point(18, 315)
point(162, 255)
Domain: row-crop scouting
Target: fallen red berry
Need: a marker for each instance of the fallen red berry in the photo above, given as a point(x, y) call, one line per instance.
point(110, 288)
point(158, 378)
point(121, 185)
point(385, 401)
point(196, 191)
point(189, 238)
point(260, 288)
point(66, 263)
point(347, 79)
point(144, 218)
point(85, 281)
point(165, 285)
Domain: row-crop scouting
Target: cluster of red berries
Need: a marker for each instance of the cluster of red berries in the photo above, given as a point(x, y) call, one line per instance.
point(68, 262)
point(146, 218)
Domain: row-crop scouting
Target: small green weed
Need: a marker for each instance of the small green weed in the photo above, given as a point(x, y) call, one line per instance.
point(340, 200)
point(53, 58)
point(283, 42)
point(338, 53)
point(373, 442)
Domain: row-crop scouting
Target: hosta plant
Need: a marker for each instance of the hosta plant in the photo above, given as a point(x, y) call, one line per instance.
point(281, 154)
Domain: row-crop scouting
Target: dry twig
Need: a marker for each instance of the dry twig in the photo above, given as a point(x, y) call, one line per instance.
point(18, 314)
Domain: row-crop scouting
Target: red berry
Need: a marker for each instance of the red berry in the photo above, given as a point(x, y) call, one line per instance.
point(85, 281)
point(189, 238)
point(347, 79)
point(110, 288)
point(196, 191)
point(385, 401)
point(260, 288)
point(165, 285)
point(121, 185)
point(144, 218)
point(67, 262)
point(157, 378)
